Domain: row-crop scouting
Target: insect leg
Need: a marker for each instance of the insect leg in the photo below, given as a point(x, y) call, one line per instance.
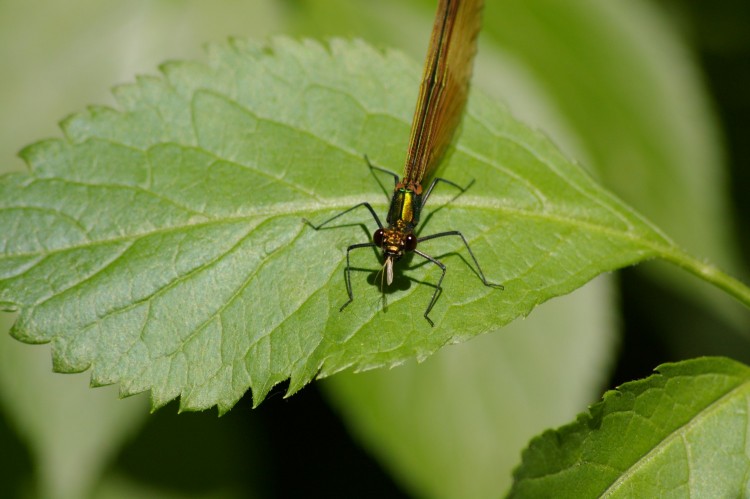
point(374, 168)
point(347, 272)
point(476, 262)
point(437, 288)
point(384, 170)
point(365, 204)
point(449, 182)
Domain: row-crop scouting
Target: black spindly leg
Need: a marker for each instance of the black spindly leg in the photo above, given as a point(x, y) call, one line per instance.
point(437, 288)
point(476, 262)
point(347, 272)
point(365, 204)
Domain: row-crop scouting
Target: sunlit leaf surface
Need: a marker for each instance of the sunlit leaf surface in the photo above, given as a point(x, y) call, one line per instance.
point(162, 245)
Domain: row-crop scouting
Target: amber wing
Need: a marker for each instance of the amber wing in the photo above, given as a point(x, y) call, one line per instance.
point(445, 84)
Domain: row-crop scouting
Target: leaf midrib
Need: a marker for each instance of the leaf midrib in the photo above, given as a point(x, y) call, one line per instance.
point(296, 209)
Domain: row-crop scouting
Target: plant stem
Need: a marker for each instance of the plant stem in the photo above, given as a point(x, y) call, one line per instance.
point(710, 273)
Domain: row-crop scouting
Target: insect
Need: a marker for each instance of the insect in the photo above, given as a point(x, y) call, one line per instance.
point(442, 97)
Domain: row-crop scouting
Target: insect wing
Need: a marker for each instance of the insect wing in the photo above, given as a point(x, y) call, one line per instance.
point(445, 85)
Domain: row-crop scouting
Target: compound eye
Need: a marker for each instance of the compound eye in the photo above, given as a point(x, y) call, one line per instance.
point(377, 237)
point(410, 243)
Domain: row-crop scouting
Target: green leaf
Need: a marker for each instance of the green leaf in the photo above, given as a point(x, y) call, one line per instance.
point(162, 245)
point(679, 433)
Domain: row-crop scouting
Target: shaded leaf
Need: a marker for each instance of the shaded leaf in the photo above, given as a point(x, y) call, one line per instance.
point(72, 432)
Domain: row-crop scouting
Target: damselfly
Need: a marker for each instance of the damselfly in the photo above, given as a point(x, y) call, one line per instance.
point(442, 97)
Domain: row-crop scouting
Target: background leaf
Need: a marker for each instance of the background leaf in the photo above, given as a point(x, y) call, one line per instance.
point(601, 95)
point(679, 432)
point(651, 138)
point(72, 432)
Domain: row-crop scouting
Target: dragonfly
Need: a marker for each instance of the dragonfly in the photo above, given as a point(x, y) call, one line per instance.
point(442, 98)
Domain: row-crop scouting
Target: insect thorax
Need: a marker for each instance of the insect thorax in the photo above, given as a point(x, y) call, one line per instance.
point(405, 208)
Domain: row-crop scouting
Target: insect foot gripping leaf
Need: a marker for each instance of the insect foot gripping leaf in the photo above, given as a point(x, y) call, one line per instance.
point(160, 245)
point(679, 433)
